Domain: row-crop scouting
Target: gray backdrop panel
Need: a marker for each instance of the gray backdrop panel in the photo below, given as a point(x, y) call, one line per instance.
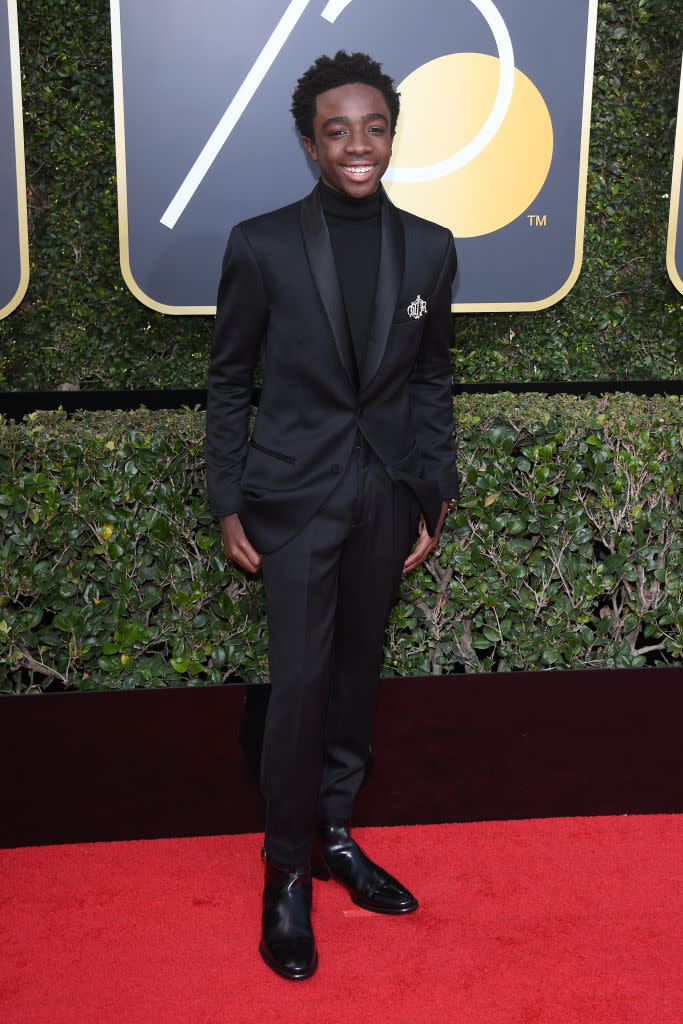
point(10, 244)
point(182, 64)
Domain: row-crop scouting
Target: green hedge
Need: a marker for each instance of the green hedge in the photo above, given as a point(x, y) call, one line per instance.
point(80, 327)
point(565, 550)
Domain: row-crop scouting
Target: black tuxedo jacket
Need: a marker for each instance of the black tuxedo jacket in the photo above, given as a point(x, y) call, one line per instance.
point(279, 301)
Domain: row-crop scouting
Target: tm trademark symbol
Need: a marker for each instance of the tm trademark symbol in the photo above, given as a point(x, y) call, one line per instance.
point(537, 221)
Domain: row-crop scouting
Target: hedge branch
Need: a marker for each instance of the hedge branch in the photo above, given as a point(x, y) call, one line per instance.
point(37, 666)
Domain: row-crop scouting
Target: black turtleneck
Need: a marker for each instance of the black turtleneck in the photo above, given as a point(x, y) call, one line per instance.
point(355, 227)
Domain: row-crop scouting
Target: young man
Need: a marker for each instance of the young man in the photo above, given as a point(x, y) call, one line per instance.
point(346, 301)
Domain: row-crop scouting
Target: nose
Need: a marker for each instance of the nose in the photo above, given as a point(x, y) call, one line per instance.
point(357, 141)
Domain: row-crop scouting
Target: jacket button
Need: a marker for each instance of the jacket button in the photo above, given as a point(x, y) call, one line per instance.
point(336, 468)
point(359, 412)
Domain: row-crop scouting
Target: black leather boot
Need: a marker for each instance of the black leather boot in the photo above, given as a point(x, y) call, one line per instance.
point(337, 855)
point(287, 944)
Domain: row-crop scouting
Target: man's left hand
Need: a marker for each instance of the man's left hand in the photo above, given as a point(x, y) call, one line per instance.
point(425, 543)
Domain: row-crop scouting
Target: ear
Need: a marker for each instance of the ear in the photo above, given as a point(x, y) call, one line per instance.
point(309, 146)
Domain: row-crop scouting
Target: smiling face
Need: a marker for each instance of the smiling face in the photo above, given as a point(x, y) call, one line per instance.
point(351, 138)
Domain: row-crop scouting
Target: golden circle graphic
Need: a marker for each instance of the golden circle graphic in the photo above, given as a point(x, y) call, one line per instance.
point(444, 104)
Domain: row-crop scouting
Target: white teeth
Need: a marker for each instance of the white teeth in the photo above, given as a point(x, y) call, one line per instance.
point(358, 170)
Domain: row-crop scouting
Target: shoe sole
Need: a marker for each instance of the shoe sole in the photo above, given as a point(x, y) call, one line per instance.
point(385, 910)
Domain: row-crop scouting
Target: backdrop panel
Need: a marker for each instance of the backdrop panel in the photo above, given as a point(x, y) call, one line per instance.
point(13, 235)
point(87, 767)
point(492, 143)
point(674, 252)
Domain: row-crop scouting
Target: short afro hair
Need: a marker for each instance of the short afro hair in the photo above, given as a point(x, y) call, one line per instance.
point(332, 72)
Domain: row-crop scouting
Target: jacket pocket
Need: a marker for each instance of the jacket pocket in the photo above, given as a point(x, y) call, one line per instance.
point(410, 458)
point(269, 451)
point(402, 318)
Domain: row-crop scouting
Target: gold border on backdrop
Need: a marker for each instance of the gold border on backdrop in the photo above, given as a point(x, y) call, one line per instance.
point(480, 307)
point(675, 203)
point(511, 307)
point(121, 185)
point(22, 218)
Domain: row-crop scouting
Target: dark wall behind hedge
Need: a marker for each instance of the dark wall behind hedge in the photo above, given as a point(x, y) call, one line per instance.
point(78, 325)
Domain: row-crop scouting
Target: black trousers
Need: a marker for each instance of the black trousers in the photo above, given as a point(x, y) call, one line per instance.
point(329, 592)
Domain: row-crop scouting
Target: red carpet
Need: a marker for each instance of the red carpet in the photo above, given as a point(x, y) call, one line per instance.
point(567, 921)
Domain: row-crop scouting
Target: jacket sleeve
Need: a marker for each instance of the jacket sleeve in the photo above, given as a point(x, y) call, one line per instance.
point(241, 321)
point(430, 385)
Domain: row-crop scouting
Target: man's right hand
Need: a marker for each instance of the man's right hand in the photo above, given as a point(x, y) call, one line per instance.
point(236, 545)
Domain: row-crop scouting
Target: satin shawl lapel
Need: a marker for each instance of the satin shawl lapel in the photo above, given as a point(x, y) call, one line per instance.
point(324, 271)
point(389, 280)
